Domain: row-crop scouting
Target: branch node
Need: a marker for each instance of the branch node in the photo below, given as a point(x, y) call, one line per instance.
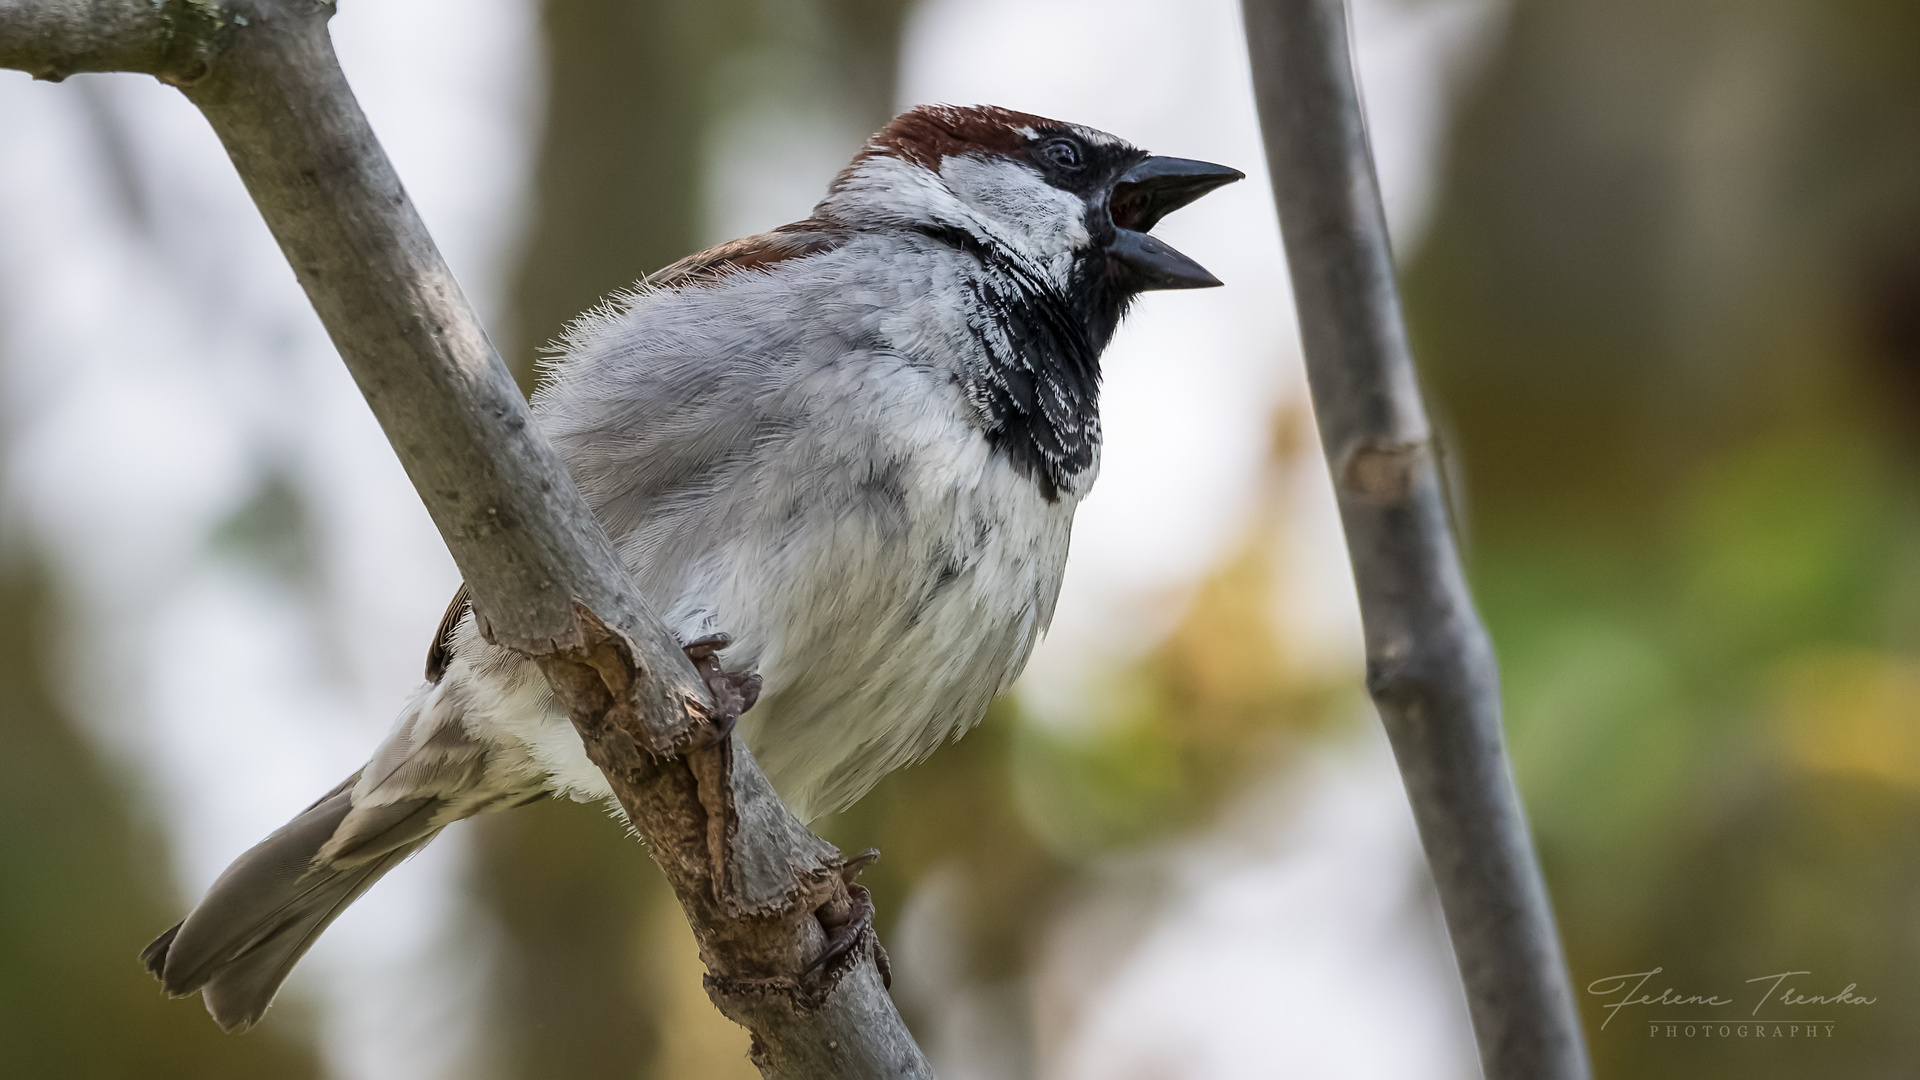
point(599, 672)
point(1382, 473)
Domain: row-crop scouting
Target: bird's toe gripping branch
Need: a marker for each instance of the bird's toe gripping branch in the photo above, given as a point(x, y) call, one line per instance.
point(847, 918)
point(734, 692)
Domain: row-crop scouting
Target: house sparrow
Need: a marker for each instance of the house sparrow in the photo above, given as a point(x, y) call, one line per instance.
point(844, 455)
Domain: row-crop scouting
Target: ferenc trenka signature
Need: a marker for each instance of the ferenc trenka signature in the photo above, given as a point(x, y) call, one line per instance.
point(1630, 989)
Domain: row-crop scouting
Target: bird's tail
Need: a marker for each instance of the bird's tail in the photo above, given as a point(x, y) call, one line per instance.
point(265, 911)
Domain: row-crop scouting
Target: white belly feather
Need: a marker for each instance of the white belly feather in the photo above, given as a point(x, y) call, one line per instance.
point(875, 644)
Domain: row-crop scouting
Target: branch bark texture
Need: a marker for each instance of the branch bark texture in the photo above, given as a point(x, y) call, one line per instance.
point(759, 889)
point(1430, 665)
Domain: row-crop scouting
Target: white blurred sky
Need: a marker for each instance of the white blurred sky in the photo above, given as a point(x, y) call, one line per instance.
point(158, 365)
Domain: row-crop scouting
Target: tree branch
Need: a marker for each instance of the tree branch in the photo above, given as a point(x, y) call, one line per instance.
point(1430, 666)
point(757, 887)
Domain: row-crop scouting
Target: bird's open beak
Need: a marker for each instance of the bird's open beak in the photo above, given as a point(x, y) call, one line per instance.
point(1146, 193)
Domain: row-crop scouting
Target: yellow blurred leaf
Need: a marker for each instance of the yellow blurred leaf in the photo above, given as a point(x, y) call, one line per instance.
point(1851, 710)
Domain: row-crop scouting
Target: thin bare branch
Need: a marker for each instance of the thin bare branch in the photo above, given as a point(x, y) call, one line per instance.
point(1430, 666)
point(759, 890)
point(54, 40)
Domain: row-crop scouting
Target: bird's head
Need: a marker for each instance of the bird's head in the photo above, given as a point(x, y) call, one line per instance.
point(1074, 204)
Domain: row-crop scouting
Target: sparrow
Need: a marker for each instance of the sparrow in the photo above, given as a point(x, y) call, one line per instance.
point(843, 456)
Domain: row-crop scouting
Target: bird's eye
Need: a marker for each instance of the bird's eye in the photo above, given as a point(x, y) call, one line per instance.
point(1064, 153)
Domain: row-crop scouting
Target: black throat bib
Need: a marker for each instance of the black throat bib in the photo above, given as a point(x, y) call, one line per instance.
point(1038, 389)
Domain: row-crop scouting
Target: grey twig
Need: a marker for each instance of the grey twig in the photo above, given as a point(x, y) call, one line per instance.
point(1430, 666)
point(758, 888)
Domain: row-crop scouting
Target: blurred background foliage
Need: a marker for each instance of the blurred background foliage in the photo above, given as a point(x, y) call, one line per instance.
point(1669, 315)
point(1668, 311)
point(84, 888)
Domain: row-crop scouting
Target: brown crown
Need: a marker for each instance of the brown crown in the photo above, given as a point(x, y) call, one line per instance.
point(925, 134)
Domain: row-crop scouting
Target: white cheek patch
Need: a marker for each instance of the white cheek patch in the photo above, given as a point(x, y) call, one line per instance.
point(888, 191)
point(993, 198)
point(1029, 213)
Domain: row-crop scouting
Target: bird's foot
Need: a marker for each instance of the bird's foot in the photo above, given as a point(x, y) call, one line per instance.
point(842, 936)
point(845, 922)
point(734, 692)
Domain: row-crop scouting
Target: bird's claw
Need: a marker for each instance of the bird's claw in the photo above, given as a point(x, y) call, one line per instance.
point(843, 935)
point(850, 869)
point(734, 692)
point(845, 923)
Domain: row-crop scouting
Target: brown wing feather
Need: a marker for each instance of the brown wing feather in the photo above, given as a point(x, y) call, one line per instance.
point(441, 650)
point(795, 241)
